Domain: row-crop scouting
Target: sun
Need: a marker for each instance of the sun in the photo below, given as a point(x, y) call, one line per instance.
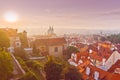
point(11, 16)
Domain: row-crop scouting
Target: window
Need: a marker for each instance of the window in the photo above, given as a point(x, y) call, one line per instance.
point(17, 44)
point(56, 49)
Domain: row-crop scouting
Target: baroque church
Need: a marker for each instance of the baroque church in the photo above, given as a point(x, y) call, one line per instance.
point(51, 32)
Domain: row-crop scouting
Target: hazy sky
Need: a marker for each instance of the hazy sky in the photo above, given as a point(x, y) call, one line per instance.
point(62, 14)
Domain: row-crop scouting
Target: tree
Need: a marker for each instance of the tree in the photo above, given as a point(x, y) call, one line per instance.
point(32, 68)
point(29, 76)
point(35, 65)
point(114, 38)
point(53, 70)
point(4, 40)
point(70, 50)
point(72, 73)
point(6, 66)
point(20, 52)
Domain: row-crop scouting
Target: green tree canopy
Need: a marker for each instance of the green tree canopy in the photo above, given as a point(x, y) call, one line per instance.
point(29, 76)
point(6, 66)
point(53, 70)
point(34, 64)
point(72, 73)
point(70, 50)
point(4, 40)
point(114, 38)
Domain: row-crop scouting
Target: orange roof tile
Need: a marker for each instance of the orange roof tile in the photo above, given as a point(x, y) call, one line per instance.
point(50, 41)
point(114, 66)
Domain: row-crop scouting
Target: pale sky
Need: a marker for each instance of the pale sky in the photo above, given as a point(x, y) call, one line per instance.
point(62, 14)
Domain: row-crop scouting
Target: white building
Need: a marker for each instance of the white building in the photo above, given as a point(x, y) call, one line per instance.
point(112, 59)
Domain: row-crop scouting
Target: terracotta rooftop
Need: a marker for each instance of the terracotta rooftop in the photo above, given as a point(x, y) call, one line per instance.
point(103, 75)
point(104, 52)
point(114, 66)
point(50, 41)
point(82, 54)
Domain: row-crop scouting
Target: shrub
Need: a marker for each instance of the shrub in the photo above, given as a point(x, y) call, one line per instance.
point(6, 66)
point(29, 76)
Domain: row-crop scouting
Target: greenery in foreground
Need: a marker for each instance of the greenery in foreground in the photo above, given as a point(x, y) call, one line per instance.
point(53, 70)
point(6, 66)
point(72, 73)
point(32, 69)
point(4, 40)
point(57, 69)
point(70, 50)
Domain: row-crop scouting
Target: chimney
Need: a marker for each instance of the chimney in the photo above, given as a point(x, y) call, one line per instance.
point(88, 71)
point(96, 75)
point(103, 61)
point(72, 56)
point(98, 47)
point(90, 51)
point(80, 61)
point(88, 57)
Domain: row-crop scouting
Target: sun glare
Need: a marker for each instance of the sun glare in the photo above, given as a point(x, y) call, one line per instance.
point(11, 16)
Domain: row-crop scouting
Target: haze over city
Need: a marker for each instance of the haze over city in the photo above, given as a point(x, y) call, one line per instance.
point(36, 16)
point(59, 40)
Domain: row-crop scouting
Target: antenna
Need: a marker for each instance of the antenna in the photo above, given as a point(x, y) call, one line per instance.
point(103, 61)
point(88, 71)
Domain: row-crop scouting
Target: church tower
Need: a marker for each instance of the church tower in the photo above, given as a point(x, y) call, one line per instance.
point(51, 31)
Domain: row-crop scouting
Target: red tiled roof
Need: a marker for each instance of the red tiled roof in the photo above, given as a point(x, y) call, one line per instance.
point(80, 54)
point(50, 41)
point(104, 75)
point(118, 47)
point(95, 56)
point(103, 52)
point(82, 66)
point(114, 66)
point(115, 77)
